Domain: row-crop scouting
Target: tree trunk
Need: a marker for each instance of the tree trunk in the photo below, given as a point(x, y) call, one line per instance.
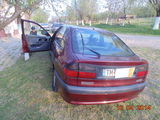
point(157, 20)
point(77, 22)
point(158, 12)
point(111, 22)
point(4, 23)
point(8, 21)
point(82, 21)
point(107, 20)
point(18, 11)
point(19, 24)
point(123, 23)
point(156, 24)
point(90, 22)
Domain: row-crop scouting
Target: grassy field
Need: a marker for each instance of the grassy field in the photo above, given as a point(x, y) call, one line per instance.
point(129, 28)
point(142, 26)
point(26, 94)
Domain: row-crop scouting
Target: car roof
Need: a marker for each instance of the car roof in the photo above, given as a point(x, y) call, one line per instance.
point(43, 23)
point(87, 28)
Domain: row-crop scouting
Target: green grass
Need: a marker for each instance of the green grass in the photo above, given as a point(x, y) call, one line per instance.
point(26, 94)
point(129, 28)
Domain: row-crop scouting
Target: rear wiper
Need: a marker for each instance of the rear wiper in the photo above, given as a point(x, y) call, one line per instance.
point(98, 54)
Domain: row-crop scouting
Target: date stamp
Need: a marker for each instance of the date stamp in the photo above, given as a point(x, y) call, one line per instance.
point(134, 107)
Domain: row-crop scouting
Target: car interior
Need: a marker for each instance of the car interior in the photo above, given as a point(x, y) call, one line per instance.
point(37, 38)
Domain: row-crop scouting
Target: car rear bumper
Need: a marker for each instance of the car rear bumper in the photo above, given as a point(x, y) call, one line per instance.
point(98, 95)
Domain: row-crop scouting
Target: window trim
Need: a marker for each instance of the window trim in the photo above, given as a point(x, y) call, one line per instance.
point(56, 42)
point(23, 21)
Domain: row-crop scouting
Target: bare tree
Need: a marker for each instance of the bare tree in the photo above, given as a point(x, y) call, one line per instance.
point(76, 11)
point(118, 7)
point(57, 7)
point(12, 9)
point(156, 5)
point(71, 14)
point(83, 10)
point(92, 9)
point(112, 6)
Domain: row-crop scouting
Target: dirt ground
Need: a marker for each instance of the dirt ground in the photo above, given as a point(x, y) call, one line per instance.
point(141, 41)
point(10, 48)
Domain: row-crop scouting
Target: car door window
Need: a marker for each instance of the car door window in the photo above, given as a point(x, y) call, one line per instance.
point(34, 29)
point(59, 38)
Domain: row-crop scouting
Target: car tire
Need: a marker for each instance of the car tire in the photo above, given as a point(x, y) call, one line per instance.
point(54, 82)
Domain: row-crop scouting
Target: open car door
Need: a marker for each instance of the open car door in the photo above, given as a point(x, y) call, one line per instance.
point(34, 38)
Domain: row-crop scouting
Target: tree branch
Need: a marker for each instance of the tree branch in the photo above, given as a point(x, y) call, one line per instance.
point(19, 8)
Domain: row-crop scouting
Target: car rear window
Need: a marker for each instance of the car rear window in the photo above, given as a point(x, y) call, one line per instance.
point(99, 42)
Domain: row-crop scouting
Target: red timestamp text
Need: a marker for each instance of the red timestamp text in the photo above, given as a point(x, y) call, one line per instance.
point(134, 107)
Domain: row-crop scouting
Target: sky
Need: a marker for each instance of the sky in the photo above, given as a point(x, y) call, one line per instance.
point(52, 14)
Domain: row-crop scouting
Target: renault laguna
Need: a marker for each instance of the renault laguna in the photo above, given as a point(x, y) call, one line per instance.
point(90, 65)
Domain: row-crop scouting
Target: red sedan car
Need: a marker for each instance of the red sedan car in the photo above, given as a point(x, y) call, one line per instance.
point(91, 66)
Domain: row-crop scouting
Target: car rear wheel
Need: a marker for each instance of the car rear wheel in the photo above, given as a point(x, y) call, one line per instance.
point(54, 82)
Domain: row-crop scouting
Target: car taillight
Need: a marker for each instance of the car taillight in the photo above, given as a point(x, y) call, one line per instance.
point(75, 71)
point(87, 71)
point(142, 70)
point(71, 73)
point(87, 75)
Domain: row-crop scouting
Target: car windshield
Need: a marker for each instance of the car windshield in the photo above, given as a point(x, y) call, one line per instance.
point(57, 25)
point(43, 24)
point(102, 43)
